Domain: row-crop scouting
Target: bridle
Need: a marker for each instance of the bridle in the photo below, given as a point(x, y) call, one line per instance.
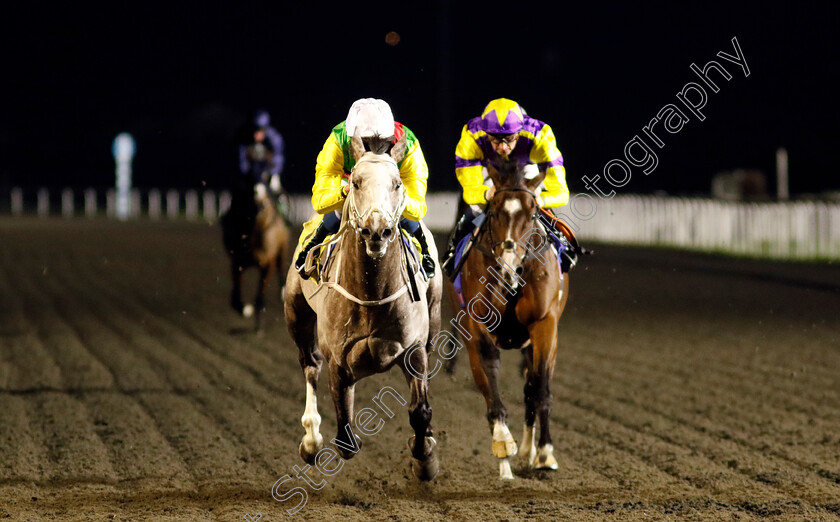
point(506, 244)
point(354, 217)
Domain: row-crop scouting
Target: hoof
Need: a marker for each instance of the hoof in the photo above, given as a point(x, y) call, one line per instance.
point(427, 467)
point(426, 470)
point(308, 455)
point(545, 459)
point(248, 311)
point(345, 454)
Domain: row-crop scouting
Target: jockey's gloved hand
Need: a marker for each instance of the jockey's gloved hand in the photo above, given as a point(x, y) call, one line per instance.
point(428, 265)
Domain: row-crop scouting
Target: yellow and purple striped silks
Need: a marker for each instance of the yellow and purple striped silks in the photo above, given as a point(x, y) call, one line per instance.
point(536, 146)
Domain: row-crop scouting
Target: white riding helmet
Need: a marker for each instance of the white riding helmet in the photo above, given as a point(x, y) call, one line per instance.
point(369, 117)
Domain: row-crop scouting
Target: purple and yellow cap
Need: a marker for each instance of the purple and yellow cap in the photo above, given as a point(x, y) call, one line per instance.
point(502, 116)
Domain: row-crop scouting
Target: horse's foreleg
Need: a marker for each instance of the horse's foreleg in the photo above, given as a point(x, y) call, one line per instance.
point(343, 392)
point(422, 444)
point(484, 362)
point(300, 319)
point(312, 441)
point(537, 392)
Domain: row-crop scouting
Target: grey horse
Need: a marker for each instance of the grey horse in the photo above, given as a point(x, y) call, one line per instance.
point(373, 308)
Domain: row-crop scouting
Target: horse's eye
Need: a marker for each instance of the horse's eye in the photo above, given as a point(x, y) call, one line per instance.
point(397, 185)
point(355, 185)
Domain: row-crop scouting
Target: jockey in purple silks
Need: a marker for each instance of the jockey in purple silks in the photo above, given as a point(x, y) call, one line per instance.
point(263, 157)
point(504, 131)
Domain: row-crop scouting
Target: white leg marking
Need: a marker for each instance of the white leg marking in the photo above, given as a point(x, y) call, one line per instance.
point(504, 470)
point(527, 449)
point(503, 443)
point(248, 311)
point(545, 458)
point(311, 420)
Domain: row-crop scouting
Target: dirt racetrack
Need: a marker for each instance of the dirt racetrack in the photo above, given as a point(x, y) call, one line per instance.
point(687, 387)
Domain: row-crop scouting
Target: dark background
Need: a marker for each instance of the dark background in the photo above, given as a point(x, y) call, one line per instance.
point(183, 79)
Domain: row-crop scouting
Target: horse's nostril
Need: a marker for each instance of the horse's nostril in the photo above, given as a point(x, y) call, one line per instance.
point(386, 233)
point(365, 232)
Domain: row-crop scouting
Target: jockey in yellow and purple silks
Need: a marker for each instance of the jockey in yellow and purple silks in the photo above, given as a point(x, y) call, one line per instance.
point(368, 118)
point(504, 131)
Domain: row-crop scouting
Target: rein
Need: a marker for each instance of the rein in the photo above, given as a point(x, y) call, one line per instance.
point(392, 218)
point(505, 243)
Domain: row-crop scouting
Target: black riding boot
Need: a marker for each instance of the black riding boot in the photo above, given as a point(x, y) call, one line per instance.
point(427, 262)
point(320, 234)
point(463, 227)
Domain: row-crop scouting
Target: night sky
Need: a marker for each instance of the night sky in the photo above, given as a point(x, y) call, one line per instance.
point(184, 79)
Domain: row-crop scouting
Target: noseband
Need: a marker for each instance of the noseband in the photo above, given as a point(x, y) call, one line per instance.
point(507, 244)
point(354, 217)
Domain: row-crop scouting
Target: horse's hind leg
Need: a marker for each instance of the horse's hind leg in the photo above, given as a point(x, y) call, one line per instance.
point(484, 362)
point(283, 259)
point(300, 320)
point(266, 273)
point(422, 444)
point(528, 448)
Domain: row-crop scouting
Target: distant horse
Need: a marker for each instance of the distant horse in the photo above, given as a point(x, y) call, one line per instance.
point(255, 234)
point(515, 295)
point(372, 309)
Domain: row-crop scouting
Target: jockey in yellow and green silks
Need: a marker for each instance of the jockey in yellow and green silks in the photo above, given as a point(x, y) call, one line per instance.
point(504, 131)
point(367, 118)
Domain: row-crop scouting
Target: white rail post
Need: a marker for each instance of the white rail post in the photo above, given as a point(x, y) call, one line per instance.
point(191, 204)
point(17, 201)
point(154, 204)
point(173, 203)
point(208, 206)
point(43, 202)
point(90, 203)
point(224, 201)
point(67, 209)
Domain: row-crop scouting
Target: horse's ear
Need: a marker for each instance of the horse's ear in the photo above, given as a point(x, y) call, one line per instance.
point(399, 149)
point(534, 183)
point(357, 147)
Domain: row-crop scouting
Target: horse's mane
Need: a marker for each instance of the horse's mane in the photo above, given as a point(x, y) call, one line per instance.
point(511, 174)
point(377, 144)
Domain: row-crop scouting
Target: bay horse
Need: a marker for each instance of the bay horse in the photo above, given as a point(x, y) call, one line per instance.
point(372, 309)
point(255, 234)
point(515, 295)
